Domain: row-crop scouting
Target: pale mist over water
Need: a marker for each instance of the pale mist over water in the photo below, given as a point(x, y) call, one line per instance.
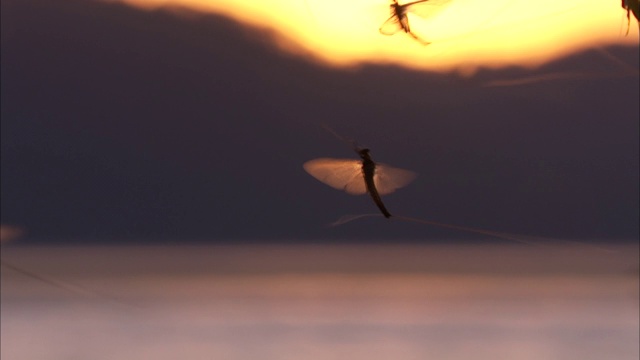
point(320, 302)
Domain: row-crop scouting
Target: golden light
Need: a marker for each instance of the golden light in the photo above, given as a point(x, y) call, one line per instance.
point(464, 34)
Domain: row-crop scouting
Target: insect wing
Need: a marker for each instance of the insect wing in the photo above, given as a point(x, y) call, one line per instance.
point(391, 26)
point(341, 174)
point(387, 179)
point(425, 9)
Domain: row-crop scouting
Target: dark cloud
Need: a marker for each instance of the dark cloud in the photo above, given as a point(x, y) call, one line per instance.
point(119, 123)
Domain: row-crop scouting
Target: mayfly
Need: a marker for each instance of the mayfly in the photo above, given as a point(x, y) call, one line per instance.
point(632, 6)
point(399, 19)
point(358, 177)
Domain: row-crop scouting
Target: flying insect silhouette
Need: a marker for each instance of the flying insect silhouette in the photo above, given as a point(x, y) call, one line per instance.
point(399, 19)
point(358, 177)
point(632, 6)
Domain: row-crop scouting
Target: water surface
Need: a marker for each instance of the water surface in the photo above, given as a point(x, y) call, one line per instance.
point(320, 302)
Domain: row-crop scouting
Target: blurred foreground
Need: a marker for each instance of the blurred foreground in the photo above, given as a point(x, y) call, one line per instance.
point(320, 302)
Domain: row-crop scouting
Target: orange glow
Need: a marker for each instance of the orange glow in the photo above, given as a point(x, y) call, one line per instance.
point(465, 35)
point(8, 232)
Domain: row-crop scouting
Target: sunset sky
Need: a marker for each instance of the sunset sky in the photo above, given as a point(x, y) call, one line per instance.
point(192, 119)
point(465, 34)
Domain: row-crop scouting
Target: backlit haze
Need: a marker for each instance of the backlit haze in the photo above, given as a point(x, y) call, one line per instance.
point(465, 34)
point(192, 119)
point(155, 205)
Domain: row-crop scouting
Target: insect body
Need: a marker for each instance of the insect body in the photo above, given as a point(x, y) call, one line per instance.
point(632, 6)
point(358, 177)
point(399, 20)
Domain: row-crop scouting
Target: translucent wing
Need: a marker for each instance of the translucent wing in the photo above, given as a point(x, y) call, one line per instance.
point(427, 8)
point(391, 26)
point(387, 179)
point(341, 174)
